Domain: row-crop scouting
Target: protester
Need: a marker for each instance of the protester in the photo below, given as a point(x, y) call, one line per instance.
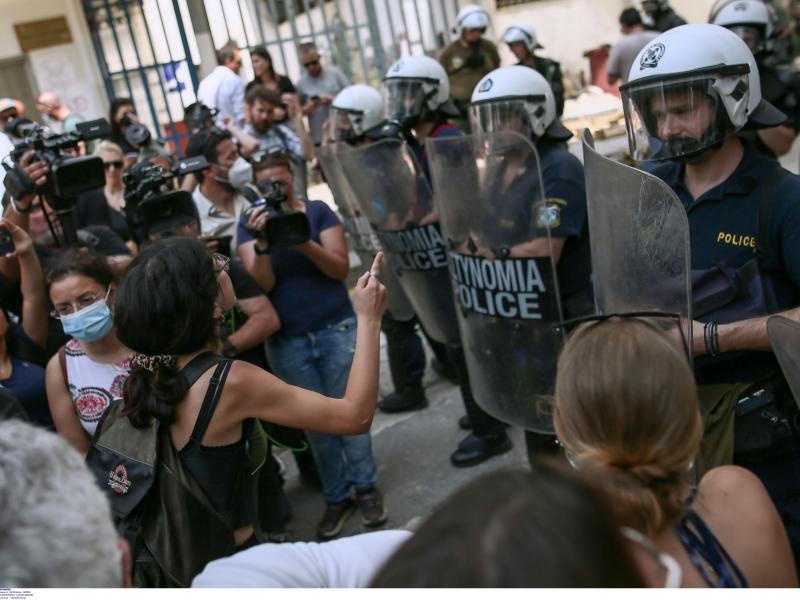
point(168, 306)
point(317, 89)
point(468, 58)
point(522, 41)
point(624, 51)
point(265, 75)
point(313, 349)
point(626, 405)
point(105, 206)
point(525, 538)
point(87, 375)
point(223, 89)
point(55, 526)
point(22, 345)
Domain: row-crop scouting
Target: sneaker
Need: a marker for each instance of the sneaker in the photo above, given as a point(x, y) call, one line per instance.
point(373, 512)
point(334, 518)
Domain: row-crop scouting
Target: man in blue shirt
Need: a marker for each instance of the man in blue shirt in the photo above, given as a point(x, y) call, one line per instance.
point(690, 91)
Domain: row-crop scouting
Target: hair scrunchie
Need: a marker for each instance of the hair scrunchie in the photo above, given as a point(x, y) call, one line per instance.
point(151, 363)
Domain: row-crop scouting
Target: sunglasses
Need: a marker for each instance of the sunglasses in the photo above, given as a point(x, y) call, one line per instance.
point(117, 164)
point(664, 321)
point(311, 63)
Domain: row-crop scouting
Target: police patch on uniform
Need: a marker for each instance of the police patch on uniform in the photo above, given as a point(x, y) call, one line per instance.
point(458, 62)
point(651, 57)
point(548, 216)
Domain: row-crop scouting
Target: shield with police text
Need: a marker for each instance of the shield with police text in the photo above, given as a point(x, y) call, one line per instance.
point(639, 234)
point(364, 240)
point(784, 336)
point(496, 222)
point(393, 193)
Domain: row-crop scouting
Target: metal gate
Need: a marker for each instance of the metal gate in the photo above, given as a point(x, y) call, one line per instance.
point(142, 45)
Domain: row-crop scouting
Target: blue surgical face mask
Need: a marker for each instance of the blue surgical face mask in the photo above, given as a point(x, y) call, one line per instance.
point(91, 323)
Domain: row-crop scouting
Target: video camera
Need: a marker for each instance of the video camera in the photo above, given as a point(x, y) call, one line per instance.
point(284, 227)
point(69, 175)
point(149, 207)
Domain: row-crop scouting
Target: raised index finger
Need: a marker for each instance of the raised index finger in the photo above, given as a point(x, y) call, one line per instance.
point(376, 264)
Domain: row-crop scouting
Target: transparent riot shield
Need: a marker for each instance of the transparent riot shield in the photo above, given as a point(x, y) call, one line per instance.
point(357, 226)
point(392, 192)
point(639, 235)
point(489, 193)
point(784, 335)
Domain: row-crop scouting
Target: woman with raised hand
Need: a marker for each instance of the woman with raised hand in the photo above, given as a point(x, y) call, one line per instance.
point(627, 408)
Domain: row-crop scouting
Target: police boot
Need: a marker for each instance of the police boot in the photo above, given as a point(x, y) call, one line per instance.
point(475, 449)
point(411, 398)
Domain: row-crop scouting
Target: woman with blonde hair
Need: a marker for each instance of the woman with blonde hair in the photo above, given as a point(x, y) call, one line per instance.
point(627, 408)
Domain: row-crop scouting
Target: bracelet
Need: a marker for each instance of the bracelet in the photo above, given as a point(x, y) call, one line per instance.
point(263, 252)
point(715, 332)
point(709, 330)
point(18, 210)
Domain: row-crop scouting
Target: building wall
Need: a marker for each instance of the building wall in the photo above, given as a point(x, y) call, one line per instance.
point(69, 70)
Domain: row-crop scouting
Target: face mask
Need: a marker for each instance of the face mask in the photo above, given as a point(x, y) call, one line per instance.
point(240, 174)
point(90, 323)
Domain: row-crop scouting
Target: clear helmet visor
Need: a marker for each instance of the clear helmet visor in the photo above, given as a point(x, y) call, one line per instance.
point(751, 35)
point(404, 99)
point(673, 120)
point(502, 115)
point(343, 125)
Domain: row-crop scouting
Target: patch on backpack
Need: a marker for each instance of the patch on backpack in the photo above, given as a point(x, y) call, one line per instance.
point(118, 479)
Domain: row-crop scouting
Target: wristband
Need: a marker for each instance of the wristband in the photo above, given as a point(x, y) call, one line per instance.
point(263, 252)
point(715, 344)
point(709, 330)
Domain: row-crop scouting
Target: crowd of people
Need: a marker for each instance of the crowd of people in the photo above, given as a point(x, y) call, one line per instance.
point(203, 316)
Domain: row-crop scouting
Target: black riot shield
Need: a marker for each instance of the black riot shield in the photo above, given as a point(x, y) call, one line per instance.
point(639, 236)
point(365, 242)
point(489, 193)
point(784, 335)
point(392, 192)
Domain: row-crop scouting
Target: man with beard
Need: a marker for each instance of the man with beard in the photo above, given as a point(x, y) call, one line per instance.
point(690, 91)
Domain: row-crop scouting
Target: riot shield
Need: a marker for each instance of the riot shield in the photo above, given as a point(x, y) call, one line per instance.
point(365, 242)
point(489, 193)
point(392, 192)
point(639, 235)
point(784, 335)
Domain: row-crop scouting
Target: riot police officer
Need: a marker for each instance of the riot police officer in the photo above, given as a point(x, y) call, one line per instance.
point(659, 15)
point(357, 118)
point(520, 100)
point(690, 91)
point(522, 41)
point(750, 20)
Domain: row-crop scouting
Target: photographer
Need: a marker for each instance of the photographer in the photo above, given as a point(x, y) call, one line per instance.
point(121, 115)
point(314, 349)
point(219, 203)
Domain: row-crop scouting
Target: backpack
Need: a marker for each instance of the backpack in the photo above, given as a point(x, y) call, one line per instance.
point(172, 527)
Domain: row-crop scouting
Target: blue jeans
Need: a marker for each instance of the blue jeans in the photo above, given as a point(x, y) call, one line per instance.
point(320, 361)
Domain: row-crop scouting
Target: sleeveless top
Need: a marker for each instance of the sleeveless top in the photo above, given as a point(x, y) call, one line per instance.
point(711, 560)
point(93, 386)
point(214, 468)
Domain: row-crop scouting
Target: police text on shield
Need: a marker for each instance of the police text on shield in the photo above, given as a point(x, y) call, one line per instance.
point(418, 248)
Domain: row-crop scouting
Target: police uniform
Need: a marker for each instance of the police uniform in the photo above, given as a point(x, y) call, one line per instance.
point(551, 71)
point(466, 66)
point(723, 227)
point(781, 88)
point(512, 215)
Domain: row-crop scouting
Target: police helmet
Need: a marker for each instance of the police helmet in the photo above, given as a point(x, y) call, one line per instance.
point(522, 33)
point(355, 112)
point(749, 19)
point(471, 16)
point(511, 97)
point(414, 85)
point(688, 89)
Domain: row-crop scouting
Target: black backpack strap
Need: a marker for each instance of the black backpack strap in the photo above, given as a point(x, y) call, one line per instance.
point(197, 366)
point(210, 401)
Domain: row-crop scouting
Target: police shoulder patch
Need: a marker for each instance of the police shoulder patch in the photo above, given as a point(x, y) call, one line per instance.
point(548, 215)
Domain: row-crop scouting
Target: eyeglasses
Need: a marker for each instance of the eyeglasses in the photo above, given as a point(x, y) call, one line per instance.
point(222, 263)
point(653, 317)
point(311, 63)
point(84, 300)
point(117, 164)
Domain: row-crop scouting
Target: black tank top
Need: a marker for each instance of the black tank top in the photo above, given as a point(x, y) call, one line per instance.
point(215, 468)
